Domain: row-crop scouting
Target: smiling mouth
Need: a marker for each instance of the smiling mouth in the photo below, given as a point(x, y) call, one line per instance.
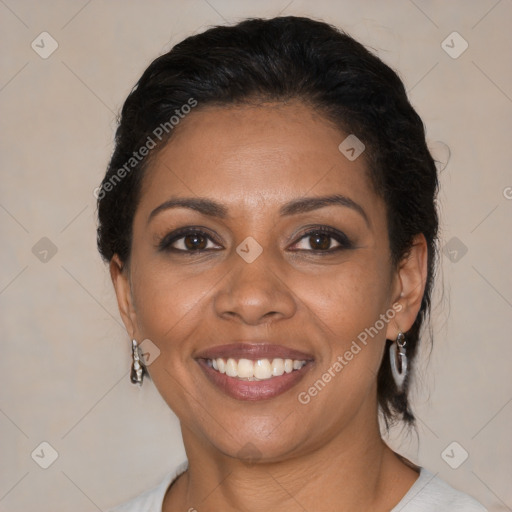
point(254, 380)
point(254, 370)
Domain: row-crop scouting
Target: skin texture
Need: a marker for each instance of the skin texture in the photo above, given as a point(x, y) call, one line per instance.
point(326, 455)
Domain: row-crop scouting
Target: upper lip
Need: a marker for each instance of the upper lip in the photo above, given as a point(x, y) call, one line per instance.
point(254, 351)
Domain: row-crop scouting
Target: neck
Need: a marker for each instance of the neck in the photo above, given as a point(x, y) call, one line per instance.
point(354, 471)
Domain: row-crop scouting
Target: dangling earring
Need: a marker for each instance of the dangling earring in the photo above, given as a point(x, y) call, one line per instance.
point(137, 371)
point(398, 359)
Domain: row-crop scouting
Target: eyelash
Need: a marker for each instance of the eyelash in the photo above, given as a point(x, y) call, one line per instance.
point(165, 245)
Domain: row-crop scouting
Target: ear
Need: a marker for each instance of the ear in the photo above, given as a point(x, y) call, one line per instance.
point(121, 280)
point(409, 286)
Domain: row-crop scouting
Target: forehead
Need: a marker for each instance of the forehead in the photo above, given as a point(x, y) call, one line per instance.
point(248, 156)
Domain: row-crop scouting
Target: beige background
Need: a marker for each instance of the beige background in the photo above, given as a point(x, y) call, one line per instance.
point(64, 354)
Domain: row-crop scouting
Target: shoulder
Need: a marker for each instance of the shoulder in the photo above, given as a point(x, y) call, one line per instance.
point(151, 500)
point(432, 494)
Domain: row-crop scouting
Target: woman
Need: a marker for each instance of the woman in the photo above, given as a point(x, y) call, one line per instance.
point(270, 223)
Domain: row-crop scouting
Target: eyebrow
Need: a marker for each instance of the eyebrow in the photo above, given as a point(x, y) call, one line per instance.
point(303, 205)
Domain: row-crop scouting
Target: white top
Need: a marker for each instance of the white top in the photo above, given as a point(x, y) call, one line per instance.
point(428, 494)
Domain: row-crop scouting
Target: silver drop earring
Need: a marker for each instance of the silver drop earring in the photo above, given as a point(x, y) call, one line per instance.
point(398, 360)
point(137, 370)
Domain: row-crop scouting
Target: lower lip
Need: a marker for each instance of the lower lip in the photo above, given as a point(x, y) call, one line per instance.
point(253, 390)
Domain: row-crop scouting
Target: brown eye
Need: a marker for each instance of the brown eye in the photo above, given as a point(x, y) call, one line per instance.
point(195, 241)
point(188, 241)
point(324, 240)
point(320, 242)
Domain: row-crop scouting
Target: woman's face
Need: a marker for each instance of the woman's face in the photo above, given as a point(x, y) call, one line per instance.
point(265, 272)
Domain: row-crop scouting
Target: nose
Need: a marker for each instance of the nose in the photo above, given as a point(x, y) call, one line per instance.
point(254, 293)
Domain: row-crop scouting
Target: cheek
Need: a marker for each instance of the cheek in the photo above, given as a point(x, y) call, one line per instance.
point(346, 306)
point(350, 296)
point(353, 350)
point(168, 302)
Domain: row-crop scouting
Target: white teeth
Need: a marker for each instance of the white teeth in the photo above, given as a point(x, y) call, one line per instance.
point(245, 368)
point(231, 368)
point(262, 369)
point(277, 367)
